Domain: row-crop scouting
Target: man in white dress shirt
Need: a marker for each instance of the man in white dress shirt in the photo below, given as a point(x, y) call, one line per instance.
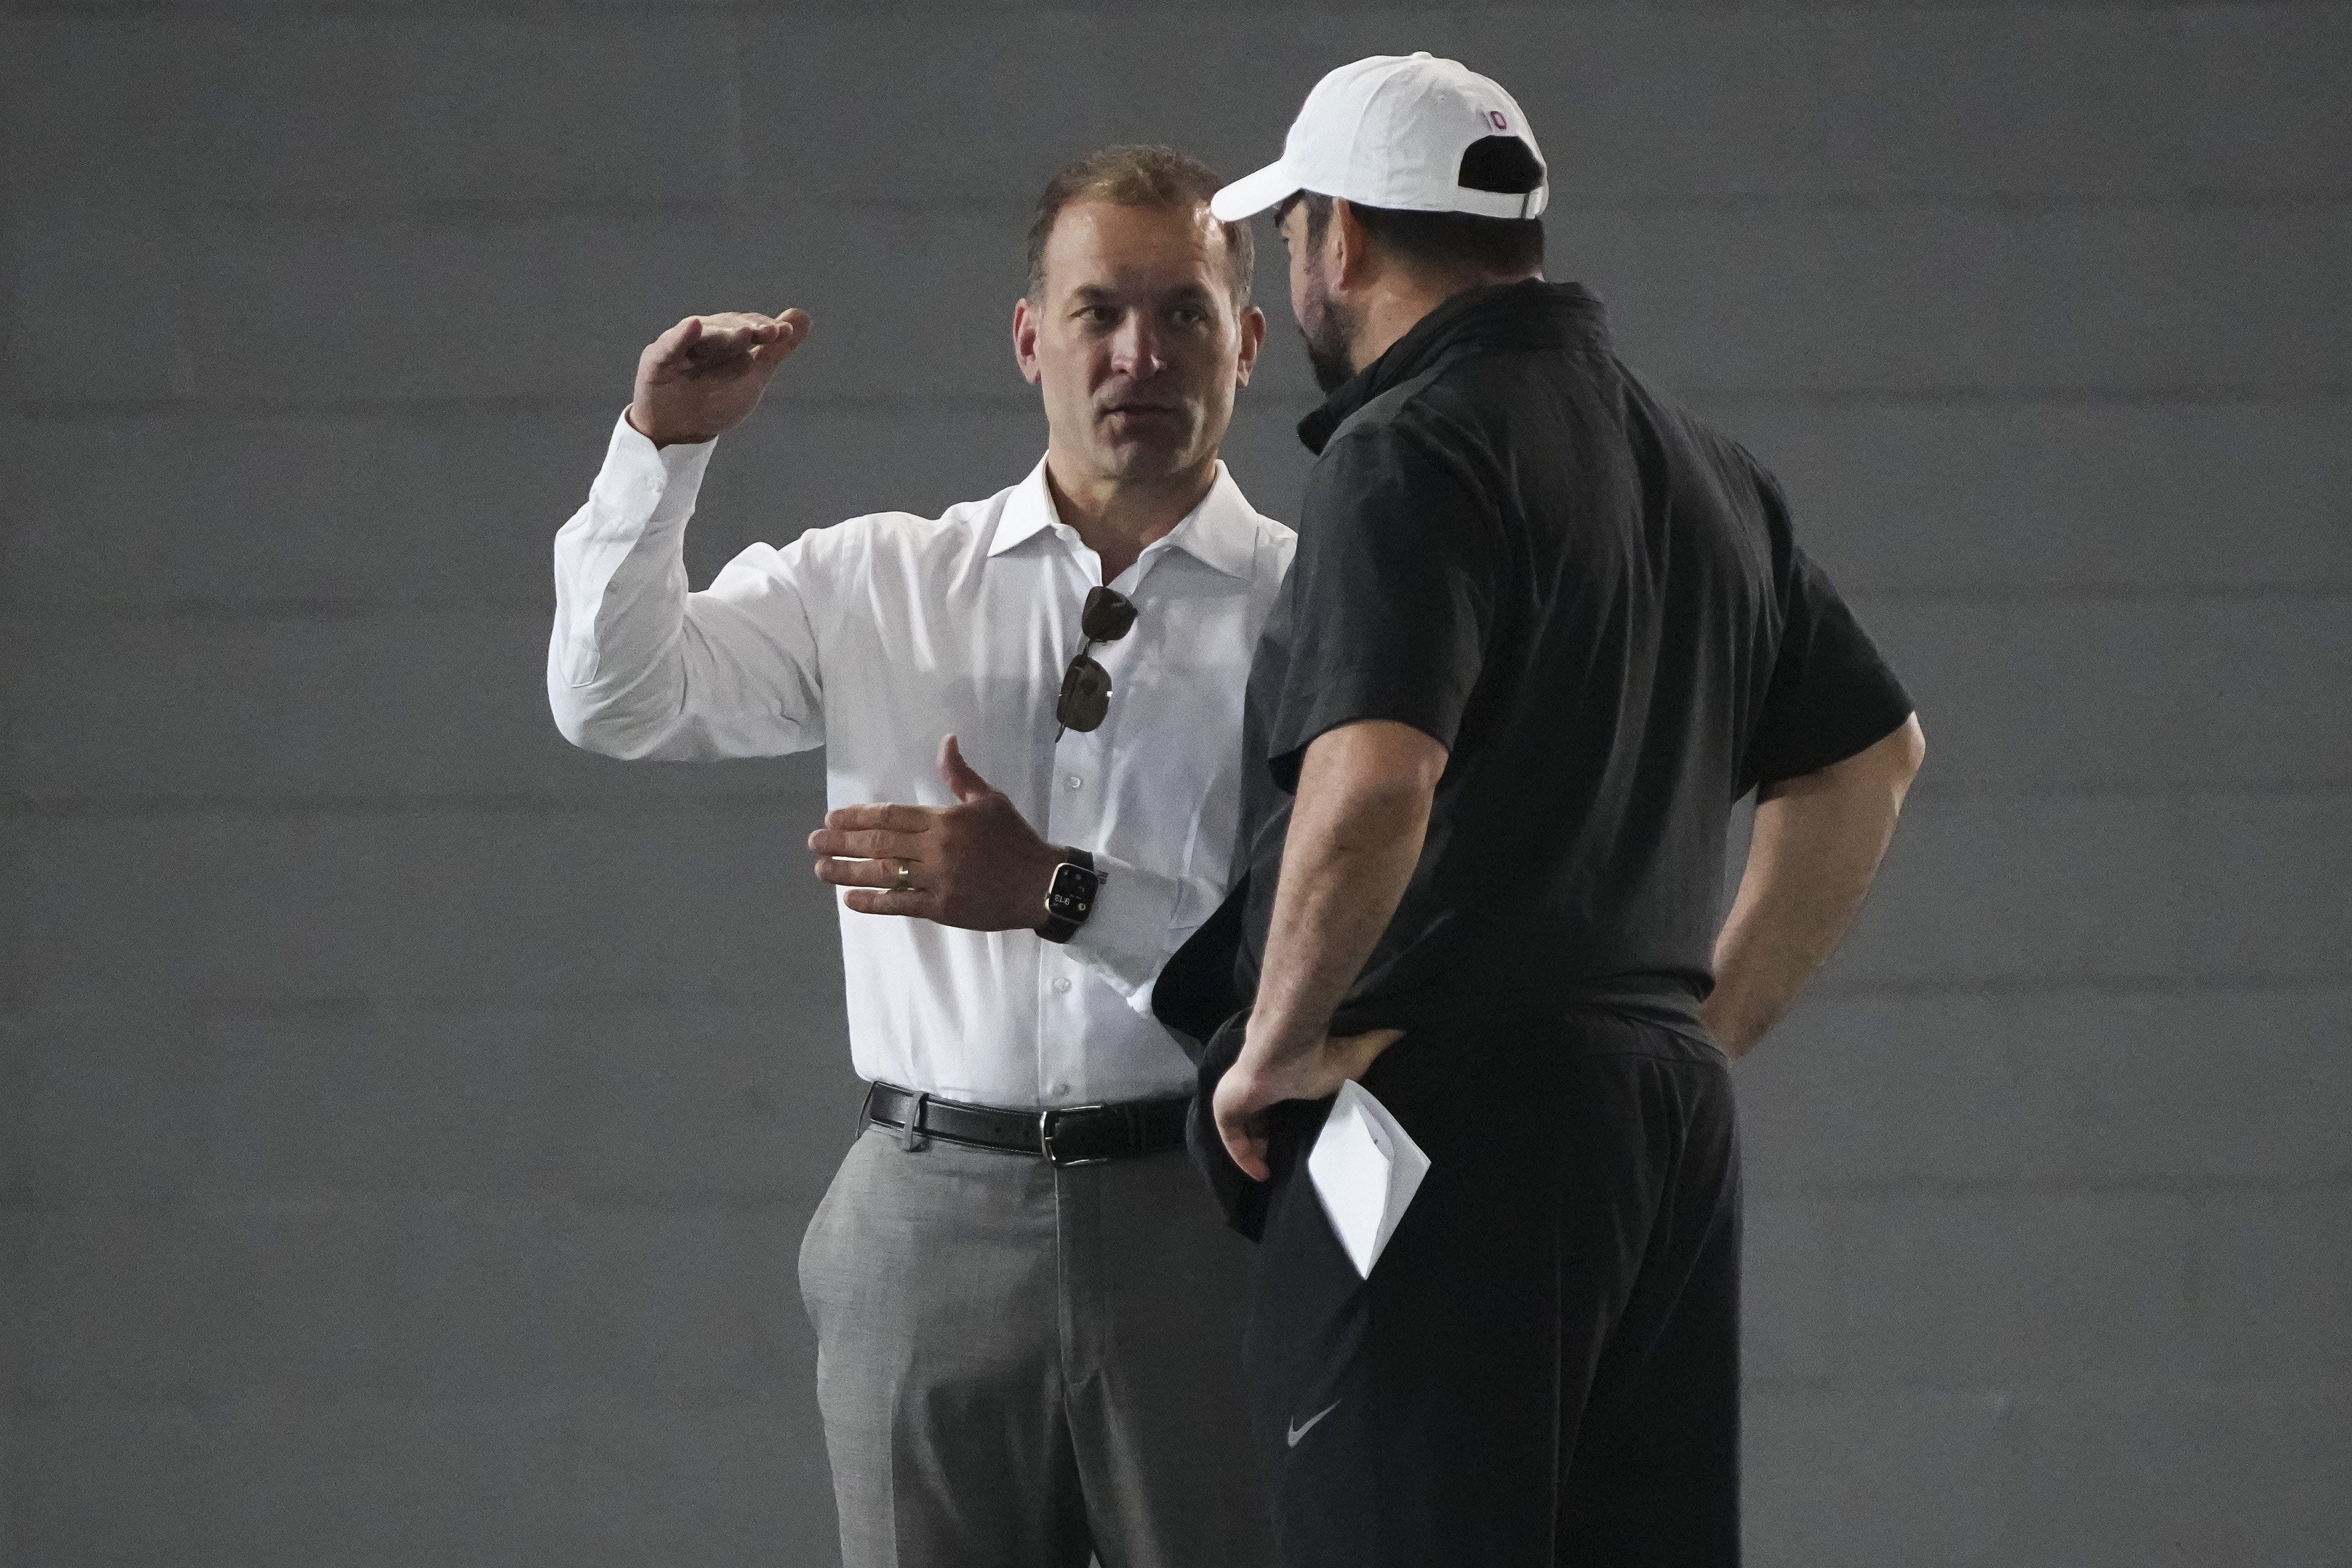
point(1028, 1314)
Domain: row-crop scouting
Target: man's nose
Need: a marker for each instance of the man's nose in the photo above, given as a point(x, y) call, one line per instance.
point(1135, 348)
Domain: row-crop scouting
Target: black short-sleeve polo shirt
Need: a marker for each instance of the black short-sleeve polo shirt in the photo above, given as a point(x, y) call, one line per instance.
point(1401, 584)
point(1598, 605)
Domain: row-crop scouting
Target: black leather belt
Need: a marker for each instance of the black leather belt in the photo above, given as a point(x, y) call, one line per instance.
point(1066, 1135)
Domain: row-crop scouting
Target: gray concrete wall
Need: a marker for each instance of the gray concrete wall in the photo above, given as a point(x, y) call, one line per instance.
point(406, 1123)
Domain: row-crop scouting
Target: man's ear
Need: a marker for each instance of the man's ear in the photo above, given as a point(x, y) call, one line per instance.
point(1346, 248)
point(1025, 340)
point(1253, 329)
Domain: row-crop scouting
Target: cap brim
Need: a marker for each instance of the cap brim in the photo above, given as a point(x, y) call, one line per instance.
point(1253, 194)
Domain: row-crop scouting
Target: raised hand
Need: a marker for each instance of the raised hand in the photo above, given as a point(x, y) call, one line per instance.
point(976, 863)
point(706, 374)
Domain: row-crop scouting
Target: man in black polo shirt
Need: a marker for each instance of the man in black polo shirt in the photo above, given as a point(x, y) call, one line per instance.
point(1542, 631)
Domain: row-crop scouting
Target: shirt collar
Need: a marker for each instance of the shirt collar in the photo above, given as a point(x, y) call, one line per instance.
point(1531, 314)
point(1220, 532)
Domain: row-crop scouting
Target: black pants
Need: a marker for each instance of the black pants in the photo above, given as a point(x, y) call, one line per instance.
point(1544, 1366)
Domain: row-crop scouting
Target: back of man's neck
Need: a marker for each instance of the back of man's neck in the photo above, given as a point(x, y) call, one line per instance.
point(1118, 518)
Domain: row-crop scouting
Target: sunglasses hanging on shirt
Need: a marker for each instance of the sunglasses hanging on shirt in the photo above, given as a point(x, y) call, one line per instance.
point(1086, 685)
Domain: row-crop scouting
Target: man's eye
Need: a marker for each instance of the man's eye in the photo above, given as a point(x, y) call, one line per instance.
point(1100, 315)
point(1191, 317)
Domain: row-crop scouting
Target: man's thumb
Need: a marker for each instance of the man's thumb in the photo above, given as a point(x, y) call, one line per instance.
point(967, 784)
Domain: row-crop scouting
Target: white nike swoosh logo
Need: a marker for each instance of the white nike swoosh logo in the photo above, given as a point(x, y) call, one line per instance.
point(1298, 1432)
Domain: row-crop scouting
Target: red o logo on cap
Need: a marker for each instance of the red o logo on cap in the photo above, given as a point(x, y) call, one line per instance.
point(1494, 117)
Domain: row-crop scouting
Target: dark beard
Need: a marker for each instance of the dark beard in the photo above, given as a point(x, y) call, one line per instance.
point(1328, 344)
point(1329, 359)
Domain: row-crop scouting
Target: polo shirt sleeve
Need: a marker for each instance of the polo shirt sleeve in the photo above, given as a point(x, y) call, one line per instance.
point(1394, 592)
point(1832, 694)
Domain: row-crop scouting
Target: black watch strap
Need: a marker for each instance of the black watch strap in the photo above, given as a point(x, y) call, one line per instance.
point(1070, 896)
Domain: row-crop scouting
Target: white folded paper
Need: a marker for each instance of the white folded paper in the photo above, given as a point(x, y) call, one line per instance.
point(1366, 1167)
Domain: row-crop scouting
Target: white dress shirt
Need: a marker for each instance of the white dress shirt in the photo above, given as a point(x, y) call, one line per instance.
point(877, 637)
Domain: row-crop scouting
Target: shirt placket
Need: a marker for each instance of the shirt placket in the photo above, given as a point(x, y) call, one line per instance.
point(1073, 816)
point(1075, 813)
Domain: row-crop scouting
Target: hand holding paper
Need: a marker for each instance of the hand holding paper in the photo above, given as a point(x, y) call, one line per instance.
point(1266, 1073)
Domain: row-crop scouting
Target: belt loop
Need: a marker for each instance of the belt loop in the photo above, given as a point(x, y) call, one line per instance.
point(911, 1135)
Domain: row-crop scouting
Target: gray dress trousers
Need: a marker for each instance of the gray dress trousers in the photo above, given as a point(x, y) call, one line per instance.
point(1019, 1364)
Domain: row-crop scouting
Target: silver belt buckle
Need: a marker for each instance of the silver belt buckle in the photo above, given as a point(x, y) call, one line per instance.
point(1045, 1136)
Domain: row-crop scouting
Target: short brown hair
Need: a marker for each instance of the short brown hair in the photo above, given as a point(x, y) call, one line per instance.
point(1443, 242)
point(1138, 177)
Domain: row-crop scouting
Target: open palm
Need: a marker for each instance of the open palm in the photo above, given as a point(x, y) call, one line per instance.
point(705, 374)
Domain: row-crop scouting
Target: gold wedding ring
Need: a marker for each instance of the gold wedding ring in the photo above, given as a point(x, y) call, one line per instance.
point(904, 877)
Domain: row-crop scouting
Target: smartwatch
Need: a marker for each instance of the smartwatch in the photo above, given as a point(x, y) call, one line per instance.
point(1070, 896)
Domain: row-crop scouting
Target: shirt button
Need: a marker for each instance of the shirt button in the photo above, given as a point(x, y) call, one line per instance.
point(1074, 781)
point(1063, 983)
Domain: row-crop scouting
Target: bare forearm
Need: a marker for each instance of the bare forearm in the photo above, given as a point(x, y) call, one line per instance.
point(1817, 845)
point(1355, 837)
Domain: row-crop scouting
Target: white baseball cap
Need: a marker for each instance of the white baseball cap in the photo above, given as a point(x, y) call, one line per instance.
point(1390, 131)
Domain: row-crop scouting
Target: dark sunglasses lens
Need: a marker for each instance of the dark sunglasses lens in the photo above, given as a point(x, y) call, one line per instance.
point(1108, 616)
point(1085, 695)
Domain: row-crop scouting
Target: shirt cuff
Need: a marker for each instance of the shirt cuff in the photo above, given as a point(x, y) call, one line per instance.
point(658, 484)
point(1131, 934)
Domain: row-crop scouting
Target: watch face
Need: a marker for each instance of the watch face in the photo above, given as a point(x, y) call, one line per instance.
point(1073, 892)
